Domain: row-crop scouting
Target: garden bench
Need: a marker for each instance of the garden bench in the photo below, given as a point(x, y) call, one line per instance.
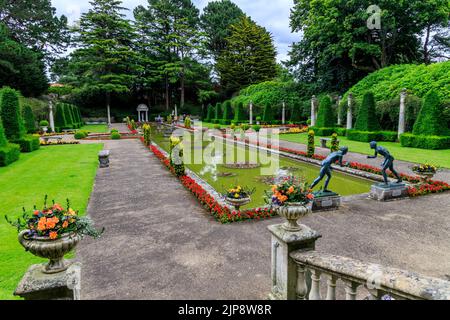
point(57, 138)
point(323, 142)
point(103, 158)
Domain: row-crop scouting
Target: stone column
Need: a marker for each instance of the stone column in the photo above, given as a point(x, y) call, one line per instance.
point(349, 112)
point(313, 111)
point(251, 112)
point(176, 113)
point(139, 116)
point(339, 119)
point(402, 118)
point(283, 115)
point(52, 121)
point(284, 269)
point(146, 116)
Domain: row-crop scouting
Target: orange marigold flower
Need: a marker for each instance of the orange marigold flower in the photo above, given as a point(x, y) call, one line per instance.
point(65, 224)
point(57, 207)
point(42, 224)
point(71, 212)
point(291, 190)
point(53, 235)
point(36, 212)
point(310, 196)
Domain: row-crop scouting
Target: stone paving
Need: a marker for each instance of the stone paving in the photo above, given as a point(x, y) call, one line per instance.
point(160, 243)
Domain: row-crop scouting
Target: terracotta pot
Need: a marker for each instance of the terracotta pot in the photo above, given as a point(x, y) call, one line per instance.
point(237, 203)
point(292, 212)
point(54, 250)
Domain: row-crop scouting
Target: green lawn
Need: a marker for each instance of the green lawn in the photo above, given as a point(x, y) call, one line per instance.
point(95, 128)
point(61, 172)
point(436, 157)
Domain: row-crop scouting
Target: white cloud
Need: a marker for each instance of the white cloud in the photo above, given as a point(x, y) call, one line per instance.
point(271, 14)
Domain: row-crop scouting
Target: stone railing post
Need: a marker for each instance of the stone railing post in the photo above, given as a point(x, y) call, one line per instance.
point(401, 117)
point(313, 110)
point(349, 112)
point(284, 269)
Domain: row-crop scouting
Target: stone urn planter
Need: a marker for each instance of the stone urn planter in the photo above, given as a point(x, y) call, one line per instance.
point(238, 203)
point(425, 176)
point(292, 212)
point(52, 249)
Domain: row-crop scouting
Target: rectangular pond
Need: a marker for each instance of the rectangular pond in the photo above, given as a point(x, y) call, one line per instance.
point(216, 171)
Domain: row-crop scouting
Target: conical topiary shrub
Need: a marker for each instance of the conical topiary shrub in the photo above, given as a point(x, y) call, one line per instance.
point(209, 113)
point(217, 113)
point(268, 114)
point(10, 114)
point(227, 111)
point(60, 118)
point(325, 116)
point(69, 117)
point(431, 121)
point(239, 114)
point(29, 119)
point(367, 119)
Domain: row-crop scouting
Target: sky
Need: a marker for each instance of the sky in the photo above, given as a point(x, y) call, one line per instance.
point(271, 14)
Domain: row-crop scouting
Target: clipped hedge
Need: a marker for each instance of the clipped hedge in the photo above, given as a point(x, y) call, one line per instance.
point(325, 132)
point(9, 154)
point(239, 114)
point(367, 119)
point(325, 116)
point(28, 143)
point(227, 111)
point(209, 114)
point(10, 114)
point(217, 113)
point(425, 142)
point(431, 120)
point(368, 136)
point(60, 118)
point(29, 119)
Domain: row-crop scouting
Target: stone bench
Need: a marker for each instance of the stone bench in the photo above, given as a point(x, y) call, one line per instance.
point(323, 142)
point(103, 158)
point(57, 138)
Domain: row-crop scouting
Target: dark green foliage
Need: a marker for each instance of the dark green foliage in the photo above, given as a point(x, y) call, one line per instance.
point(342, 132)
point(28, 143)
point(218, 112)
point(431, 120)
point(323, 132)
point(249, 58)
point(268, 114)
point(239, 114)
point(325, 116)
point(80, 135)
point(256, 127)
point(227, 111)
point(10, 114)
point(424, 142)
point(8, 154)
point(70, 123)
point(60, 118)
point(3, 140)
point(210, 113)
point(115, 136)
point(296, 113)
point(311, 146)
point(334, 142)
point(29, 120)
point(367, 136)
point(367, 119)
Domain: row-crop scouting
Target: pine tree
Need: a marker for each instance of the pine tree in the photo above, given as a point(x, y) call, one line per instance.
point(431, 120)
point(10, 114)
point(325, 116)
point(367, 119)
point(105, 60)
point(249, 58)
point(29, 120)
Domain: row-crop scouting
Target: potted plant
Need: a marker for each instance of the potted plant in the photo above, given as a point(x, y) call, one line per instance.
point(425, 171)
point(44, 125)
point(238, 196)
point(53, 232)
point(291, 199)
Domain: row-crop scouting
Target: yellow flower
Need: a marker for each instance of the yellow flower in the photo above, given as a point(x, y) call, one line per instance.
point(236, 195)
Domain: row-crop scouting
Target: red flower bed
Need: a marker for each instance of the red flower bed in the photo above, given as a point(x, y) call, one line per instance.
point(131, 130)
point(221, 213)
point(428, 188)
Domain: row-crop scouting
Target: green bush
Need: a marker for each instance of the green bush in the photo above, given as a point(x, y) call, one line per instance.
point(268, 114)
point(218, 112)
point(257, 128)
point(217, 126)
point(363, 136)
point(114, 130)
point(367, 119)
point(115, 136)
point(209, 113)
point(29, 119)
point(225, 122)
point(70, 122)
point(431, 120)
point(9, 153)
point(239, 114)
point(342, 132)
point(334, 142)
point(227, 111)
point(388, 136)
point(80, 135)
point(325, 116)
point(425, 142)
point(10, 114)
point(60, 118)
point(323, 132)
point(43, 123)
point(28, 143)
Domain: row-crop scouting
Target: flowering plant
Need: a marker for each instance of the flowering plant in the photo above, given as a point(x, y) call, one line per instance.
point(54, 221)
point(290, 190)
point(424, 168)
point(239, 192)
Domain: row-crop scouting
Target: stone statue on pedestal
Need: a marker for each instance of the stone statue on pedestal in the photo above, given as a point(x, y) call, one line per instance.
point(326, 167)
point(388, 162)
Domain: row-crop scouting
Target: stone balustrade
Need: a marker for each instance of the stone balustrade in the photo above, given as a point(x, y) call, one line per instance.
point(318, 269)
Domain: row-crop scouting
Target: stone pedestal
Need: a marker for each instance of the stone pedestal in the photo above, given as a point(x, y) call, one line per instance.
point(391, 191)
point(326, 201)
point(103, 158)
point(36, 285)
point(284, 269)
